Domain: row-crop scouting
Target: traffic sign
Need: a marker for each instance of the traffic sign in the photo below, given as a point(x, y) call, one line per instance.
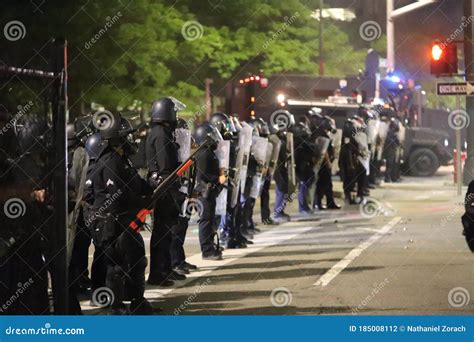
point(459, 88)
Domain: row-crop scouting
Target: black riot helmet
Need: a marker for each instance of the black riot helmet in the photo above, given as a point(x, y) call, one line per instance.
point(221, 122)
point(93, 146)
point(328, 125)
point(348, 129)
point(165, 109)
point(110, 126)
point(301, 131)
point(118, 133)
point(207, 131)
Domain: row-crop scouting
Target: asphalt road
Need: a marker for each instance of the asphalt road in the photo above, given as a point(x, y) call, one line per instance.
point(406, 257)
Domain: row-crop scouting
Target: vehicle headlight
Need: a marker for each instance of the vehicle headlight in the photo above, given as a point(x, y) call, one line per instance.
point(446, 142)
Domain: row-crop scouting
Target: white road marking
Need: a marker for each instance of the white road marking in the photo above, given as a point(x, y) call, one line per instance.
point(269, 238)
point(325, 279)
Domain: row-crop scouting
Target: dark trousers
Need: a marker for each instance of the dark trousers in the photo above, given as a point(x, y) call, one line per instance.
point(206, 222)
point(165, 217)
point(79, 264)
point(126, 263)
point(265, 199)
point(177, 242)
point(99, 268)
point(361, 177)
point(390, 167)
point(324, 187)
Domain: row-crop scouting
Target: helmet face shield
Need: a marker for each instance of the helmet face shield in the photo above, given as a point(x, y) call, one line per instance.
point(215, 135)
point(178, 105)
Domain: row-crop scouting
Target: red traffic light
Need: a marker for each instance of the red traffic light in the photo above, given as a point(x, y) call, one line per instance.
point(436, 52)
point(444, 58)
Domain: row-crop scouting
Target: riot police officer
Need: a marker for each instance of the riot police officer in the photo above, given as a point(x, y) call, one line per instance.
point(348, 159)
point(281, 177)
point(304, 161)
point(209, 184)
point(392, 143)
point(229, 233)
point(120, 194)
point(178, 236)
point(162, 160)
point(93, 148)
point(324, 185)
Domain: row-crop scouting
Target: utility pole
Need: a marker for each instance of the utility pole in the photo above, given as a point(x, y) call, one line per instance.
point(390, 37)
point(321, 28)
point(392, 14)
point(468, 62)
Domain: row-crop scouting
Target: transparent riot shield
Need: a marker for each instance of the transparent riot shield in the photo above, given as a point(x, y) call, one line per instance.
point(276, 144)
point(223, 153)
point(259, 151)
point(362, 140)
point(382, 135)
point(183, 139)
point(242, 161)
point(321, 145)
point(290, 146)
point(78, 175)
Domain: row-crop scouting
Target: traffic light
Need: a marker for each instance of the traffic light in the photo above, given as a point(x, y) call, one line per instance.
point(444, 58)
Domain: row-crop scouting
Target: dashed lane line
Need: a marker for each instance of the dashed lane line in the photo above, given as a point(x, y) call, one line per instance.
point(326, 278)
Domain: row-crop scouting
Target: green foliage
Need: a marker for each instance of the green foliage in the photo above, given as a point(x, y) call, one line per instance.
point(127, 50)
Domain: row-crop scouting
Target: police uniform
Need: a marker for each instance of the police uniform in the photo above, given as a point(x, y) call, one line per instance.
point(324, 186)
point(207, 188)
point(162, 160)
point(304, 161)
point(118, 197)
point(281, 181)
